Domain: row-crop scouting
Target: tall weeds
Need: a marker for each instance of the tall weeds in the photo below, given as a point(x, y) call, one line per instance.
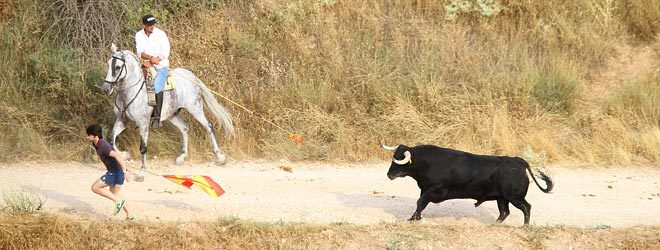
point(498, 77)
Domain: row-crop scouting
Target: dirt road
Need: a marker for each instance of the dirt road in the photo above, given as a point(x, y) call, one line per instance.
point(326, 193)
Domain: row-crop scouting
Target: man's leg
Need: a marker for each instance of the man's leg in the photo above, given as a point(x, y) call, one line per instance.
point(159, 85)
point(99, 188)
point(115, 191)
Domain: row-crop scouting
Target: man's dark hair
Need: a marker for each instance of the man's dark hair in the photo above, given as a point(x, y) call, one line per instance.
point(95, 130)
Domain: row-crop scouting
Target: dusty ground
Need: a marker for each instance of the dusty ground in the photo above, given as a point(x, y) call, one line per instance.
point(326, 193)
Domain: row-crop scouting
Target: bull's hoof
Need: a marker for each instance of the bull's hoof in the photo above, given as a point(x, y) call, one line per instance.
point(498, 221)
point(415, 218)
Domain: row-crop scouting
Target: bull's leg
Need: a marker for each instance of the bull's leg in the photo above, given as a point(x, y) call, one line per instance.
point(421, 205)
point(144, 136)
point(432, 195)
point(116, 130)
point(201, 118)
point(182, 125)
point(503, 206)
point(525, 207)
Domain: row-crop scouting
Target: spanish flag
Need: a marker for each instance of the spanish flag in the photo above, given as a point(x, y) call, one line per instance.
point(202, 181)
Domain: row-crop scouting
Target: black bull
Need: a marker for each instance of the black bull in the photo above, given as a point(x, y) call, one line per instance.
point(444, 174)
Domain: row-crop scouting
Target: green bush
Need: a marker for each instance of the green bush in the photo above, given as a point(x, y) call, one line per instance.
point(22, 201)
point(639, 102)
point(485, 8)
point(556, 93)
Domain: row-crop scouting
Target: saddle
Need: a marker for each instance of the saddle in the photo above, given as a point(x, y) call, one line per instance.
point(151, 73)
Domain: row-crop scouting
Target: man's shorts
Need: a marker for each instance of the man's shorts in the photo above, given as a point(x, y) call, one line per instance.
point(113, 178)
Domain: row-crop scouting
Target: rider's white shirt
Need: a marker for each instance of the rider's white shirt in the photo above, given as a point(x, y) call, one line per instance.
point(155, 44)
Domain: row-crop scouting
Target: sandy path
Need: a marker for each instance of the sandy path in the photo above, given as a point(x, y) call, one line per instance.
point(325, 193)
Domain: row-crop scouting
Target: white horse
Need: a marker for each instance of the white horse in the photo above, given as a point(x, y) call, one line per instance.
point(131, 103)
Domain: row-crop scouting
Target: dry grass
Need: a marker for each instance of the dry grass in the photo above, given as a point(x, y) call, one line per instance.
point(343, 74)
point(37, 231)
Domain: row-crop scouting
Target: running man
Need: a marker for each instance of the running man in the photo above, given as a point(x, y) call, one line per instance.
point(116, 171)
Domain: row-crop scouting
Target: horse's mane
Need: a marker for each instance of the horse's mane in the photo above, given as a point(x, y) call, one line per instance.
point(137, 59)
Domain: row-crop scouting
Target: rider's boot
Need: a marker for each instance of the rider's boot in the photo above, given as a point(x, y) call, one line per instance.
point(155, 116)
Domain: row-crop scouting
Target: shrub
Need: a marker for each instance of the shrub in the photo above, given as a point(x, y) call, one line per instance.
point(555, 92)
point(22, 201)
point(638, 105)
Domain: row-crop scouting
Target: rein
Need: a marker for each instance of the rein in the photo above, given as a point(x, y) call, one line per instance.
point(142, 79)
point(122, 110)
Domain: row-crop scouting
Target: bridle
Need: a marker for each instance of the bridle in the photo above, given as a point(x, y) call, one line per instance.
point(119, 79)
point(121, 70)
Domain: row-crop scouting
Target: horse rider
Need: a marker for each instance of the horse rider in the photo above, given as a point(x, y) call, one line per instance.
point(153, 46)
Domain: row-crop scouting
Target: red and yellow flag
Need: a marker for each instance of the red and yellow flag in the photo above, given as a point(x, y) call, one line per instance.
point(203, 182)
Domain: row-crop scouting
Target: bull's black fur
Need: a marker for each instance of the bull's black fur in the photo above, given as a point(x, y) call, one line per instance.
point(444, 174)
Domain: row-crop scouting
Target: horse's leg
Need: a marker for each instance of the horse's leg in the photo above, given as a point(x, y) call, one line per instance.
point(182, 125)
point(201, 118)
point(144, 136)
point(116, 130)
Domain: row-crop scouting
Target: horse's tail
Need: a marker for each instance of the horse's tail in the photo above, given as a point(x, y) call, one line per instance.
point(218, 110)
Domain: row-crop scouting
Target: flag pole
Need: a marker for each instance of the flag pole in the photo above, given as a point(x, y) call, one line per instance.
point(140, 177)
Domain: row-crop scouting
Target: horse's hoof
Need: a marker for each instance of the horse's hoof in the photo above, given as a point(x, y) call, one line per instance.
point(179, 160)
point(222, 159)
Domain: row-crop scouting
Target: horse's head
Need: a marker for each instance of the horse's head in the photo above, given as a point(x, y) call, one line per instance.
point(116, 70)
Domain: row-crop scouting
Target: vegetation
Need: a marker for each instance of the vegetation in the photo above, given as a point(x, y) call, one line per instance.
point(494, 76)
point(37, 231)
point(22, 201)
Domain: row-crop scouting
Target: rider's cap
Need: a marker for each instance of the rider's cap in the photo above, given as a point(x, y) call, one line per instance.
point(148, 19)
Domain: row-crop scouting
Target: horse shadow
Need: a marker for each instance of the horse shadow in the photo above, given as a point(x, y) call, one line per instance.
point(403, 207)
point(176, 204)
point(77, 206)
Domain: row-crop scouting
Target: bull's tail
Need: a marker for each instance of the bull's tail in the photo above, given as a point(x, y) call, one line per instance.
point(544, 177)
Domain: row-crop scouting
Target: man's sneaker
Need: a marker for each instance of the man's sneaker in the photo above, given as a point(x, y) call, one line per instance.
point(118, 206)
point(131, 217)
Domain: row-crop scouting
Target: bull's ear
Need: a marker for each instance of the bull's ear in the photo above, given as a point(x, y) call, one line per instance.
point(113, 48)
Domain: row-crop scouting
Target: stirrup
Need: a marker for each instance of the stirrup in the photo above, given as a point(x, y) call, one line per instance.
point(151, 98)
point(155, 122)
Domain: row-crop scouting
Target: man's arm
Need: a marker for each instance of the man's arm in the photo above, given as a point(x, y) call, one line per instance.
point(120, 160)
point(139, 47)
point(145, 56)
point(166, 46)
point(122, 164)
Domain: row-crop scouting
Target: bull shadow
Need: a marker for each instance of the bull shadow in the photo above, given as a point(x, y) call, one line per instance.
point(403, 207)
point(77, 206)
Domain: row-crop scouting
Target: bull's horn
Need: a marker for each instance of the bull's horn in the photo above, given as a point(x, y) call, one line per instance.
point(405, 160)
point(113, 48)
point(390, 148)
